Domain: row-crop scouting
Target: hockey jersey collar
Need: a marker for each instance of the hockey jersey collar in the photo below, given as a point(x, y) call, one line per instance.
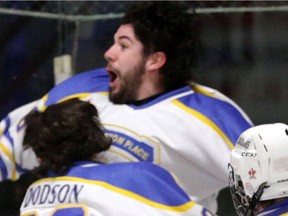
point(157, 98)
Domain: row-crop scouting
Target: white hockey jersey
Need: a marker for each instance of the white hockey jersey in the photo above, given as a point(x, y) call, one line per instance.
point(92, 189)
point(189, 131)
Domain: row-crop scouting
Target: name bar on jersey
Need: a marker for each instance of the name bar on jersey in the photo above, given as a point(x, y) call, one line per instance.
point(49, 194)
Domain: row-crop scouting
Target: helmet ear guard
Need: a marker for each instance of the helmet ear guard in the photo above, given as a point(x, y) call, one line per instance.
point(258, 168)
point(256, 198)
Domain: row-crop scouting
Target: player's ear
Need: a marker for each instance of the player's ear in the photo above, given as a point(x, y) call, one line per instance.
point(155, 61)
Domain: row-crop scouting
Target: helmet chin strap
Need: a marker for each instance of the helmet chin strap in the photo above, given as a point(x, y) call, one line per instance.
point(255, 199)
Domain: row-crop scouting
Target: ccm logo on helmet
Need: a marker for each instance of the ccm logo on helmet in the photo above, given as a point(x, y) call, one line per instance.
point(248, 154)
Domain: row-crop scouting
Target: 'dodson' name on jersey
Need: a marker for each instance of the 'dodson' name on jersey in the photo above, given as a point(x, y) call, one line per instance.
point(49, 194)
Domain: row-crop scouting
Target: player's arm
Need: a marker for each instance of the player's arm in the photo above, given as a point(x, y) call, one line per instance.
point(14, 160)
point(11, 148)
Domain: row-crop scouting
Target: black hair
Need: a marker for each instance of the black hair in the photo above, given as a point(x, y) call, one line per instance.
point(168, 27)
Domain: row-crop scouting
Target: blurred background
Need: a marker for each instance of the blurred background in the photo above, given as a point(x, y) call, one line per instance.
point(243, 51)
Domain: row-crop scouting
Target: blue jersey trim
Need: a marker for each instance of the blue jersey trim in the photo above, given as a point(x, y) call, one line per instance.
point(6, 133)
point(279, 209)
point(227, 117)
point(161, 98)
point(3, 169)
point(143, 178)
point(87, 82)
point(70, 210)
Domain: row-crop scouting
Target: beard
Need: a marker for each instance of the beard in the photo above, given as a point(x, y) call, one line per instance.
point(129, 86)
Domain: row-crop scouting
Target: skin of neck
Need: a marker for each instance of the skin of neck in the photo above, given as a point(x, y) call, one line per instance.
point(151, 85)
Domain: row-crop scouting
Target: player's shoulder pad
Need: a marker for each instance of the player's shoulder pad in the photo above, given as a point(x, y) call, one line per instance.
point(92, 81)
point(157, 180)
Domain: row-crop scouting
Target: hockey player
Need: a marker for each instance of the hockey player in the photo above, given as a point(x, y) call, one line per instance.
point(259, 171)
point(77, 185)
point(148, 104)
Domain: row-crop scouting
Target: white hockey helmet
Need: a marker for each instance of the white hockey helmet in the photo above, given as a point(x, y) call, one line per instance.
point(259, 166)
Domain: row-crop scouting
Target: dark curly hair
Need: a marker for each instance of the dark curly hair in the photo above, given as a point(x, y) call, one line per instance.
point(168, 27)
point(65, 133)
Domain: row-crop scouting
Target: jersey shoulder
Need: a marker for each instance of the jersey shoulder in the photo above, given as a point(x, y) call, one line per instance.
point(88, 82)
point(157, 180)
point(215, 109)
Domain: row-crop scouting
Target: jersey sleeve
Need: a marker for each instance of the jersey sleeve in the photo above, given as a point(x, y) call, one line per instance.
point(11, 136)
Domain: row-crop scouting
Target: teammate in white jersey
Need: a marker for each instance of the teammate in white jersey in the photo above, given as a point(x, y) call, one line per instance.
point(65, 138)
point(149, 105)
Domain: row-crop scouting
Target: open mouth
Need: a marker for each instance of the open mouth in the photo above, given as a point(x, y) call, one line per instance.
point(113, 77)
